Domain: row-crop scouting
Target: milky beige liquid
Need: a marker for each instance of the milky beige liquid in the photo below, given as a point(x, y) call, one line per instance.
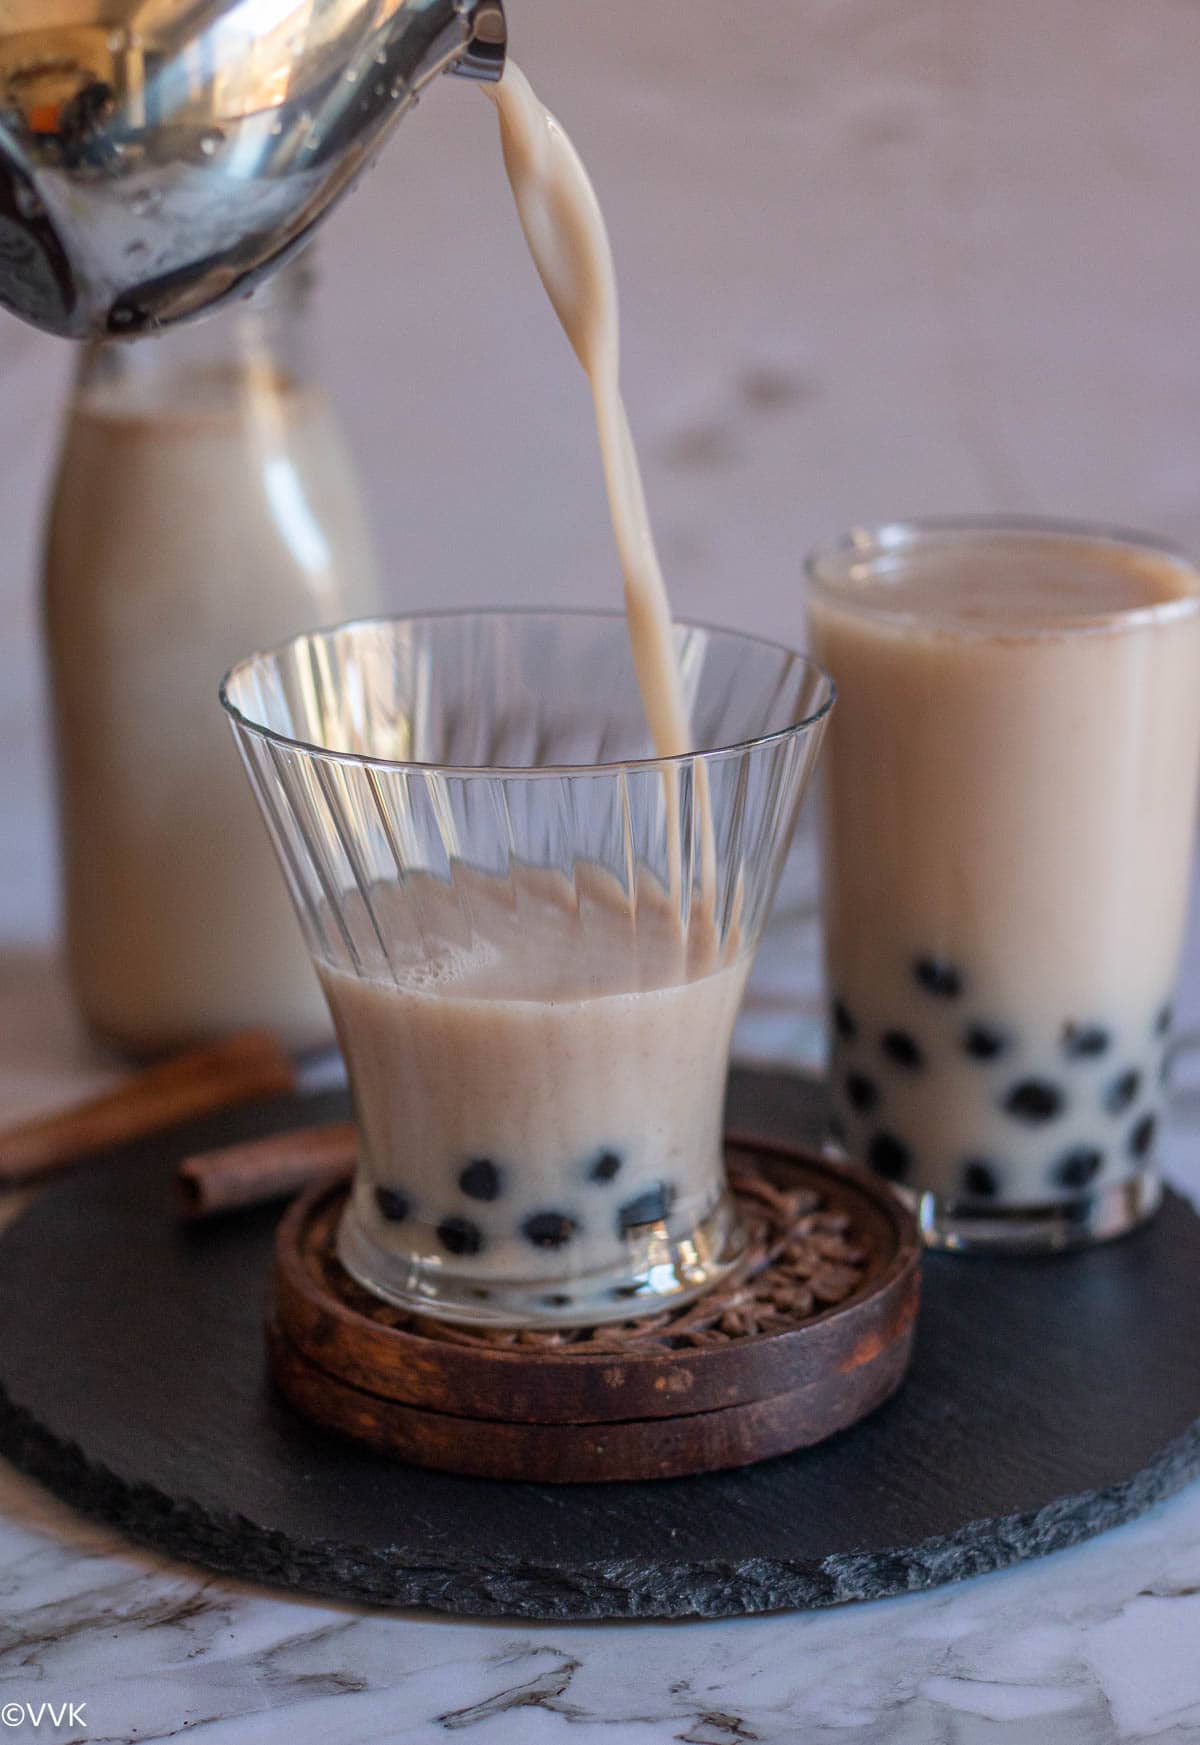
point(568, 239)
point(217, 516)
point(1011, 779)
point(567, 1034)
point(530, 1027)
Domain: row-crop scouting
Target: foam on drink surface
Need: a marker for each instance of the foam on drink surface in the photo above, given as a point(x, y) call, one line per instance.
point(1019, 589)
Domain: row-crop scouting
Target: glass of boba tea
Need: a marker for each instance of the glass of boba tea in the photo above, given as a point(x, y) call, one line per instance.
point(533, 937)
point(1010, 804)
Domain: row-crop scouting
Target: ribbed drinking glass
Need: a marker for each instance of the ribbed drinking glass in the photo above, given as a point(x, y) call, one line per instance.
point(533, 936)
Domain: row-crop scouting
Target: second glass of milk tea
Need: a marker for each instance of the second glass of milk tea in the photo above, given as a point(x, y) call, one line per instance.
point(533, 935)
point(1010, 806)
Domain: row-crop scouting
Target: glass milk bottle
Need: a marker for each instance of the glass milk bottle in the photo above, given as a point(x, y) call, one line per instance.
point(205, 506)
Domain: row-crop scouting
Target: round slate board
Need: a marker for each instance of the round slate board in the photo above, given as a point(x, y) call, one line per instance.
point(1048, 1400)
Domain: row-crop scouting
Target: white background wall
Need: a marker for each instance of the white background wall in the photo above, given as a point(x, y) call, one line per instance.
point(875, 260)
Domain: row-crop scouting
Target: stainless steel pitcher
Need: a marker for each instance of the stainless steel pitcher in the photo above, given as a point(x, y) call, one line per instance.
point(160, 156)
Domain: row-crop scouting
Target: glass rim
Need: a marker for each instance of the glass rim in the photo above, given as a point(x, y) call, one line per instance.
point(520, 772)
point(826, 565)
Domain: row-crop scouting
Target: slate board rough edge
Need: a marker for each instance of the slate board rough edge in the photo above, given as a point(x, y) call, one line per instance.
point(235, 1546)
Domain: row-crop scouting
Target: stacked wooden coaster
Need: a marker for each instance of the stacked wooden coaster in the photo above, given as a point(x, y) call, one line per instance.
point(811, 1332)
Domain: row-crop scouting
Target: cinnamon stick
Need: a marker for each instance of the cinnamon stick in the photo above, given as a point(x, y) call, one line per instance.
point(195, 1082)
point(263, 1169)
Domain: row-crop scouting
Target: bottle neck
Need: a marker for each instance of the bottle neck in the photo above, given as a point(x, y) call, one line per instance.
point(258, 346)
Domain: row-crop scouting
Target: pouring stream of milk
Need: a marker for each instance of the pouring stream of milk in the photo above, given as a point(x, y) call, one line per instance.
point(568, 239)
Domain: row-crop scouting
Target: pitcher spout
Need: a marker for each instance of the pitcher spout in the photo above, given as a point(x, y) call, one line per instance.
point(158, 157)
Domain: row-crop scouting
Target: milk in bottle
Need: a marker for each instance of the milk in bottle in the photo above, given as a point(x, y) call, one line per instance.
point(205, 504)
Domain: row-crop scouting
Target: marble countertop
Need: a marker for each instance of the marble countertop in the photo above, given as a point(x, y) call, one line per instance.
point(1093, 1645)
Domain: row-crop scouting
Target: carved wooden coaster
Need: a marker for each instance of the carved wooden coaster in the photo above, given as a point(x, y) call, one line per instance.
point(811, 1332)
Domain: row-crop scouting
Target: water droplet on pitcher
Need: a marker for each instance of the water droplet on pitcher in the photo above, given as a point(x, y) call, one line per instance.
point(210, 141)
point(29, 203)
point(145, 201)
point(351, 75)
point(116, 41)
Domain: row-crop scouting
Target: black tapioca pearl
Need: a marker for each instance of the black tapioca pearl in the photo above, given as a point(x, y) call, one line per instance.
point(556, 1300)
point(843, 1023)
point(1142, 1137)
point(980, 1179)
point(460, 1236)
point(1122, 1092)
point(1077, 1167)
point(481, 1180)
point(1034, 1101)
point(938, 977)
point(605, 1167)
point(902, 1050)
point(1164, 1020)
point(549, 1229)
point(622, 1293)
point(393, 1205)
point(652, 1207)
point(1085, 1041)
point(479, 1295)
point(984, 1042)
point(889, 1157)
point(862, 1093)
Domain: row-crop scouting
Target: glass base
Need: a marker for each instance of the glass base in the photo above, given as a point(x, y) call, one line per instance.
point(967, 1227)
point(662, 1272)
